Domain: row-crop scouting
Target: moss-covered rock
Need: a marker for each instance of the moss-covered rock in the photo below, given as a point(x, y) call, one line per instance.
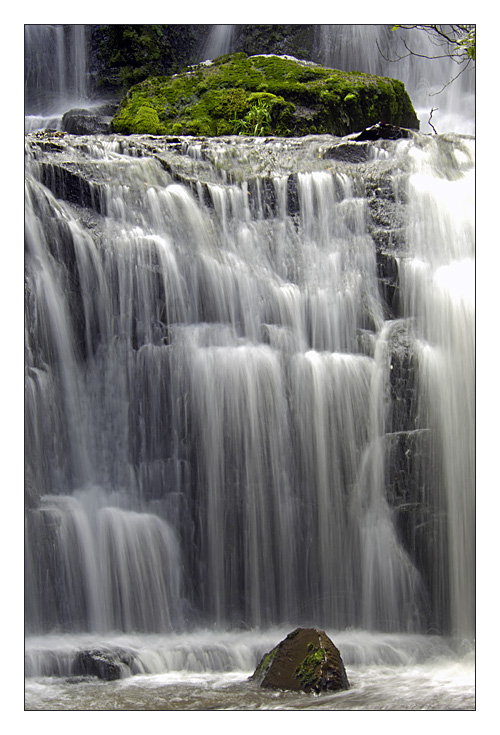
point(306, 660)
point(296, 98)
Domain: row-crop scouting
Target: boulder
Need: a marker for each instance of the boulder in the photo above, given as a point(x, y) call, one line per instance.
point(89, 121)
point(262, 95)
point(107, 665)
point(306, 660)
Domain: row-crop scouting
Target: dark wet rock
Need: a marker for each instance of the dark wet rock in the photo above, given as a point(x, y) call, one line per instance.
point(385, 191)
point(388, 278)
point(306, 660)
point(82, 121)
point(349, 151)
point(292, 195)
point(69, 181)
point(383, 131)
point(107, 665)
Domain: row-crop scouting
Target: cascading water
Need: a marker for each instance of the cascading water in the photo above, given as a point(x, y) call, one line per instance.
point(438, 288)
point(229, 422)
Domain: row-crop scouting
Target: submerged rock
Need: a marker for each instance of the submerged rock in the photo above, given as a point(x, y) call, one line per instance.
point(306, 660)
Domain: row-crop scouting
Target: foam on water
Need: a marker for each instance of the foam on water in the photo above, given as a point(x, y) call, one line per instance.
point(210, 670)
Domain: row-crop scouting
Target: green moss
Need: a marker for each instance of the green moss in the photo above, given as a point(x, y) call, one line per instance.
point(307, 672)
point(147, 121)
point(264, 665)
point(225, 103)
point(301, 99)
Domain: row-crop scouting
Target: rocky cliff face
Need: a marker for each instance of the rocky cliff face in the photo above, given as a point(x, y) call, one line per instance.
point(121, 55)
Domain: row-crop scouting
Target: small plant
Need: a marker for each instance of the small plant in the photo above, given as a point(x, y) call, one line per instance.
point(257, 121)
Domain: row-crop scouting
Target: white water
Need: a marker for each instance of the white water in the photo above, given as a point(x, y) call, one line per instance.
point(439, 285)
point(219, 42)
point(370, 48)
point(208, 670)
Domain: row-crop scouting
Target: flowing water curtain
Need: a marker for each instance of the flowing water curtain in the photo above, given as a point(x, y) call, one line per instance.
point(392, 588)
point(55, 67)
point(219, 41)
point(438, 289)
point(52, 347)
point(239, 428)
point(224, 375)
point(351, 47)
point(89, 445)
point(103, 568)
point(45, 67)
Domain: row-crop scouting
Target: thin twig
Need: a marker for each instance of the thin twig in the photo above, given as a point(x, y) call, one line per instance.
point(432, 94)
point(432, 126)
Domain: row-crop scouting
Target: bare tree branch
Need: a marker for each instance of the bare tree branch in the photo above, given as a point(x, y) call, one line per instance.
point(456, 42)
point(432, 94)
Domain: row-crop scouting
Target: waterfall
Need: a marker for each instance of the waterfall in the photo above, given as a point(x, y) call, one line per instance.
point(55, 74)
point(351, 47)
point(220, 41)
point(229, 422)
point(438, 286)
